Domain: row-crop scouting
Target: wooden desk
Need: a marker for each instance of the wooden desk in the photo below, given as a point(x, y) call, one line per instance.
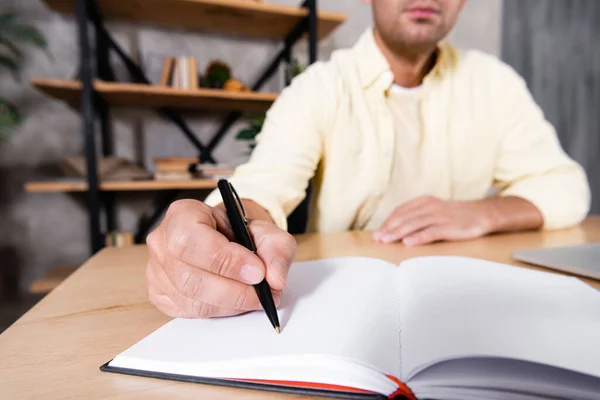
point(54, 350)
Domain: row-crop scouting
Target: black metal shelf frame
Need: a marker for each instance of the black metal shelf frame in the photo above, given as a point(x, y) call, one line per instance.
point(92, 103)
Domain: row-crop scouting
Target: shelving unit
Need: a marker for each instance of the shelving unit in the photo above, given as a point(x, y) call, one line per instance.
point(148, 96)
point(259, 20)
point(94, 94)
point(54, 277)
point(72, 185)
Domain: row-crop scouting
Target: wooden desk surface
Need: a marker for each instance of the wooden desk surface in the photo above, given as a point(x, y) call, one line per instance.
point(54, 350)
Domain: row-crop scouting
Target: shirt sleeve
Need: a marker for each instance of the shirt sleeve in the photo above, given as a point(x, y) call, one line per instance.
point(532, 164)
point(288, 148)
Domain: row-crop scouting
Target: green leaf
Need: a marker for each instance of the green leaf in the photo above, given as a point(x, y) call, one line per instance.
point(247, 134)
point(10, 64)
point(27, 34)
point(9, 119)
point(258, 123)
point(12, 48)
point(7, 19)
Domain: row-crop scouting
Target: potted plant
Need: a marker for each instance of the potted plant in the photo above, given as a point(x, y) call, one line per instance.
point(249, 133)
point(13, 35)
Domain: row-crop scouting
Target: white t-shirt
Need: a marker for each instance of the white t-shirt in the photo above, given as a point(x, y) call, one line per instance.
point(404, 105)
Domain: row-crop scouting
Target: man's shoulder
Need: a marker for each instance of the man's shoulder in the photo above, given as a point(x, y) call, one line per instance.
point(325, 81)
point(328, 72)
point(478, 64)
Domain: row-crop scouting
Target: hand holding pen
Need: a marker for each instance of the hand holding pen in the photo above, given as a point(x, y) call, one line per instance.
point(196, 270)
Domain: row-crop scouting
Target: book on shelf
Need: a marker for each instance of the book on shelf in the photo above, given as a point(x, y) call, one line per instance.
point(438, 327)
point(179, 72)
point(108, 168)
point(167, 72)
point(185, 168)
point(119, 239)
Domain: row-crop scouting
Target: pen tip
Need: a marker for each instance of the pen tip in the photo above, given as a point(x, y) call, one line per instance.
point(277, 329)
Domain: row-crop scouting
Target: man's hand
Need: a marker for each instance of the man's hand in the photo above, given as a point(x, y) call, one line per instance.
point(428, 219)
point(194, 270)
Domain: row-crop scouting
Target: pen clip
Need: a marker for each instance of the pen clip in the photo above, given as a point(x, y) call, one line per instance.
point(239, 203)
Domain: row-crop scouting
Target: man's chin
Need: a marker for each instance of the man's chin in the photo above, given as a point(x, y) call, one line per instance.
point(422, 38)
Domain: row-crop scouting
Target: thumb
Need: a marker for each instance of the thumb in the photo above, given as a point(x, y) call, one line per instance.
point(276, 248)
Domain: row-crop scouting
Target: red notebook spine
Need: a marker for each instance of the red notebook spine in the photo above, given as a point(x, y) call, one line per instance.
point(403, 390)
point(310, 385)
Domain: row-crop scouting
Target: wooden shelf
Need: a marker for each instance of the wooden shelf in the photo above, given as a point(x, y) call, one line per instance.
point(75, 185)
point(238, 17)
point(149, 96)
point(51, 279)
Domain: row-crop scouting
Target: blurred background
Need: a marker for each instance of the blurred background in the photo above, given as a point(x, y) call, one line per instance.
point(44, 231)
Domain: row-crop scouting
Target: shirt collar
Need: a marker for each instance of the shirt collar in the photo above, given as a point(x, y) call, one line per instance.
point(373, 66)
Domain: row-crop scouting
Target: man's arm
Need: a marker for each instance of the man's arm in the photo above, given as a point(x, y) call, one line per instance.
point(288, 148)
point(428, 219)
point(538, 185)
point(532, 164)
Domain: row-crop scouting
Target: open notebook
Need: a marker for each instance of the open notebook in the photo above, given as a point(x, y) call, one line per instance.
point(438, 327)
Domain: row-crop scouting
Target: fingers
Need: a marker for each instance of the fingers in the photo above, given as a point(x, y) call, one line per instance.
point(195, 270)
point(428, 235)
point(408, 218)
point(277, 250)
point(408, 210)
point(410, 226)
point(197, 293)
point(190, 237)
point(156, 292)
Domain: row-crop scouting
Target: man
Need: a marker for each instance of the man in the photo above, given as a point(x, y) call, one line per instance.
point(403, 135)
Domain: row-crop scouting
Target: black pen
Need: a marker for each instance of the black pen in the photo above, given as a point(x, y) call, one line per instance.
point(239, 224)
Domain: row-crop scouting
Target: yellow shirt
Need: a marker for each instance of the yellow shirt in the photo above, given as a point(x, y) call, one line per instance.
point(483, 129)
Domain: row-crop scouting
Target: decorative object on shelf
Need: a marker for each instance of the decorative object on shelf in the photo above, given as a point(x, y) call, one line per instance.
point(294, 69)
point(249, 134)
point(13, 34)
point(186, 168)
point(216, 74)
point(234, 85)
point(119, 239)
point(51, 279)
point(173, 168)
point(180, 72)
point(109, 169)
point(167, 72)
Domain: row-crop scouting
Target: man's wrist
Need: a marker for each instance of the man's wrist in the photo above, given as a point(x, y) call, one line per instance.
point(504, 214)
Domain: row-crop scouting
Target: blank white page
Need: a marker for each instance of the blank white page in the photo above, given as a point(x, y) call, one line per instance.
point(502, 375)
point(463, 307)
point(345, 308)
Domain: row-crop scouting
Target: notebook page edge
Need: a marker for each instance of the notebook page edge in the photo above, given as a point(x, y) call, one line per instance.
point(498, 374)
point(117, 361)
point(300, 369)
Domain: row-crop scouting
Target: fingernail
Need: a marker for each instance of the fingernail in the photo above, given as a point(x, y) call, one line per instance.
point(377, 236)
point(387, 238)
point(252, 274)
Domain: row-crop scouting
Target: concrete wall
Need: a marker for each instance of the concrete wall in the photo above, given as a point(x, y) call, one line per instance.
point(39, 231)
point(555, 46)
